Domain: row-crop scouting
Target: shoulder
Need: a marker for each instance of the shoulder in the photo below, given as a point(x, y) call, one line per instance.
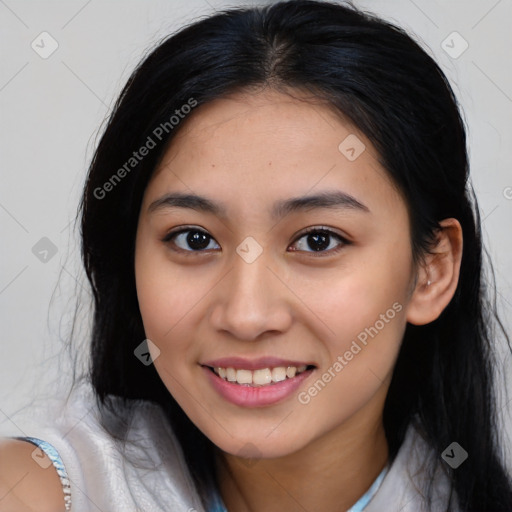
point(415, 468)
point(28, 482)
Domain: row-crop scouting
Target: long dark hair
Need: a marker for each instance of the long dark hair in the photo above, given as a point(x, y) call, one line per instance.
point(376, 75)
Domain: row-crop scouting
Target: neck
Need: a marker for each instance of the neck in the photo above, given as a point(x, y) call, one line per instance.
point(330, 473)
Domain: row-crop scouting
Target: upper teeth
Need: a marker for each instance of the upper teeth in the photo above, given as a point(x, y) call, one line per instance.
point(259, 377)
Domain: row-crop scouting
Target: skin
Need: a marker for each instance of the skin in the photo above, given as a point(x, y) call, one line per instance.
point(28, 482)
point(248, 151)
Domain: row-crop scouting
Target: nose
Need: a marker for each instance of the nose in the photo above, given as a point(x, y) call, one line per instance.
point(251, 300)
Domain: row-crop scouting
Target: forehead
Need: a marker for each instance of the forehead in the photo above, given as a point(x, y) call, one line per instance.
point(270, 144)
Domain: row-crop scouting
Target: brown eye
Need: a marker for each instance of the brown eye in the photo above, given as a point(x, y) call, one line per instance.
point(320, 240)
point(190, 240)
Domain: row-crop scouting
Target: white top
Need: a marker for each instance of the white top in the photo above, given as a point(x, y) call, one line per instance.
point(150, 473)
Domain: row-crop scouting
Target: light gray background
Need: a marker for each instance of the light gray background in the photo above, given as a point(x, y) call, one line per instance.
point(51, 110)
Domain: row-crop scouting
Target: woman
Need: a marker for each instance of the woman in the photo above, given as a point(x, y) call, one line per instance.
point(286, 262)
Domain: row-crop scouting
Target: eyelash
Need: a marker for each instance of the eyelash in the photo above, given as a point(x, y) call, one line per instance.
point(169, 237)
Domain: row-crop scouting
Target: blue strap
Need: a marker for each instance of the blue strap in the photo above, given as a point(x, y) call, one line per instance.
point(363, 501)
point(218, 506)
point(54, 456)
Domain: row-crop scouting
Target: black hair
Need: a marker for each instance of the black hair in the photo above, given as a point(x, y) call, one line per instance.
point(377, 76)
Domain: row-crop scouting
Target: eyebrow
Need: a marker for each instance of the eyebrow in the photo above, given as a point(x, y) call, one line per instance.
point(336, 199)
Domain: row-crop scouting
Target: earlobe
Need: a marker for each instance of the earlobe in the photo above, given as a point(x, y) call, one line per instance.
point(438, 278)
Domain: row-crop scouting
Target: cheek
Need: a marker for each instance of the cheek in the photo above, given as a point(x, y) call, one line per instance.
point(366, 326)
point(165, 315)
point(166, 297)
point(348, 300)
point(166, 302)
point(361, 310)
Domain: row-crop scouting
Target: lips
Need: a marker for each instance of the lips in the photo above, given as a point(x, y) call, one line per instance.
point(256, 382)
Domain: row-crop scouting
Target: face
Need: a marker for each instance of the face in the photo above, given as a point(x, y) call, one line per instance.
point(278, 301)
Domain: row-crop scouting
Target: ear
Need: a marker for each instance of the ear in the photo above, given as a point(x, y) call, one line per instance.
point(438, 277)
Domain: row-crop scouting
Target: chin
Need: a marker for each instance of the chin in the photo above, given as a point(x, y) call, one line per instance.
point(259, 447)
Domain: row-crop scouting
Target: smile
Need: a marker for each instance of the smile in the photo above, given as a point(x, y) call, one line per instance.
point(259, 377)
point(264, 385)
